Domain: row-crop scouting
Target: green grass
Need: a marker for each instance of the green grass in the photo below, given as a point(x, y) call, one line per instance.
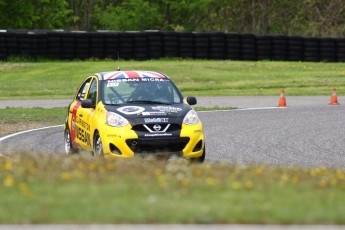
point(38, 188)
point(52, 79)
point(52, 189)
point(51, 115)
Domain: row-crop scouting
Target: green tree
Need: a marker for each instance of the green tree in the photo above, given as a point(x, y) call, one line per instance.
point(287, 17)
point(16, 14)
point(129, 15)
point(33, 14)
point(84, 12)
point(185, 15)
point(51, 14)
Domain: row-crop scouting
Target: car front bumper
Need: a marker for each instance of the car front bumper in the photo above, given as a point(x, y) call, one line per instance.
point(124, 142)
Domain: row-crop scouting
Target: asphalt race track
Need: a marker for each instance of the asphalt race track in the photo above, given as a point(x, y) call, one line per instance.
point(311, 135)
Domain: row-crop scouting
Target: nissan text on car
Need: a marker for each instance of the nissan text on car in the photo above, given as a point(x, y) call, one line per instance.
point(122, 114)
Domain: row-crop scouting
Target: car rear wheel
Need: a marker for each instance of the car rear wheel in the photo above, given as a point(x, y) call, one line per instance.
point(68, 143)
point(97, 146)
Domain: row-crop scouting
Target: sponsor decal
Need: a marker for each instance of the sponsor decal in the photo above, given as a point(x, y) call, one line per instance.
point(83, 124)
point(158, 135)
point(83, 135)
point(167, 109)
point(115, 82)
point(156, 120)
point(153, 79)
point(154, 113)
point(82, 130)
point(114, 135)
point(112, 84)
point(130, 110)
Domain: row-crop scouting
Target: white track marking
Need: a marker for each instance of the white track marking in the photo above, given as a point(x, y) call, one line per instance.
point(244, 109)
point(27, 131)
point(32, 130)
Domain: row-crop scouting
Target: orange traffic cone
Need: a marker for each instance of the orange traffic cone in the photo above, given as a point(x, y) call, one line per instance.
point(282, 101)
point(334, 99)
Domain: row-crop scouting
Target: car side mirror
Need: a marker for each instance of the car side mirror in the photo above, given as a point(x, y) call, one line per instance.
point(87, 104)
point(191, 100)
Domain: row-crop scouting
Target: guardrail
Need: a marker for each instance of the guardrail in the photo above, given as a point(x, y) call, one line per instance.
point(156, 44)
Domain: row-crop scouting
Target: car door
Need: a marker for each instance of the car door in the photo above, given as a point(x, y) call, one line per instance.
point(75, 112)
point(86, 117)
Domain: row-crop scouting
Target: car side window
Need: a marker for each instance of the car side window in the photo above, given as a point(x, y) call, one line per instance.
point(92, 94)
point(83, 89)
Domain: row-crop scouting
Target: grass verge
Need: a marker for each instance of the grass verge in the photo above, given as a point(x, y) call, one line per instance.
point(37, 188)
point(19, 119)
point(52, 79)
point(52, 189)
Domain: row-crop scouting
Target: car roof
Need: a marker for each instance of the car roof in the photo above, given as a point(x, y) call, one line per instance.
point(130, 74)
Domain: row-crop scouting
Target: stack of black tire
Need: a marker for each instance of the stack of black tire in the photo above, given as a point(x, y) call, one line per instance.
point(279, 48)
point(11, 43)
point(201, 45)
point(22, 43)
point(341, 50)
point(233, 46)
point(217, 46)
point(186, 45)
point(311, 49)
point(144, 45)
point(264, 47)
point(140, 46)
point(111, 44)
point(328, 50)
point(155, 44)
point(170, 44)
point(295, 48)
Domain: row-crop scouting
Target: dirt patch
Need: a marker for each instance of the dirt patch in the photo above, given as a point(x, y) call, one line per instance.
point(9, 128)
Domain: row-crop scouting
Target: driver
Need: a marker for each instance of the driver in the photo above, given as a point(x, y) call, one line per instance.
point(148, 91)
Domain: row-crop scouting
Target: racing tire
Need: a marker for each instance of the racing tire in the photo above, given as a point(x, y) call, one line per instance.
point(200, 159)
point(97, 146)
point(68, 143)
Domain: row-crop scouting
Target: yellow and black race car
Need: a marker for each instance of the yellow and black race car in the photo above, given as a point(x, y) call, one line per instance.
point(128, 113)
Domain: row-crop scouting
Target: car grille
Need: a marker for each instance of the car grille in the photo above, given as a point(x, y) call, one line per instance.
point(142, 128)
point(158, 145)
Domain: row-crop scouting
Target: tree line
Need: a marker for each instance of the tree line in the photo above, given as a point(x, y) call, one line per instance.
point(324, 18)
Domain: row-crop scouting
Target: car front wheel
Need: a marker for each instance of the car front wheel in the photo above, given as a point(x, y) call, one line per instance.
point(97, 146)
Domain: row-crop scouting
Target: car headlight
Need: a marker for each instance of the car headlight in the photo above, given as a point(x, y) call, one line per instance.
point(191, 118)
point(114, 119)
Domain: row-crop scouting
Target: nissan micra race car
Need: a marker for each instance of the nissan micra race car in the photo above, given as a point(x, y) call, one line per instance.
point(127, 113)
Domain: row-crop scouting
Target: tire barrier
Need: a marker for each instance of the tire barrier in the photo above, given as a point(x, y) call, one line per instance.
point(233, 46)
point(145, 45)
point(264, 47)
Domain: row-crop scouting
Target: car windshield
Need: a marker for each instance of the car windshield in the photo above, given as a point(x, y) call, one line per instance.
point(140, 90)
